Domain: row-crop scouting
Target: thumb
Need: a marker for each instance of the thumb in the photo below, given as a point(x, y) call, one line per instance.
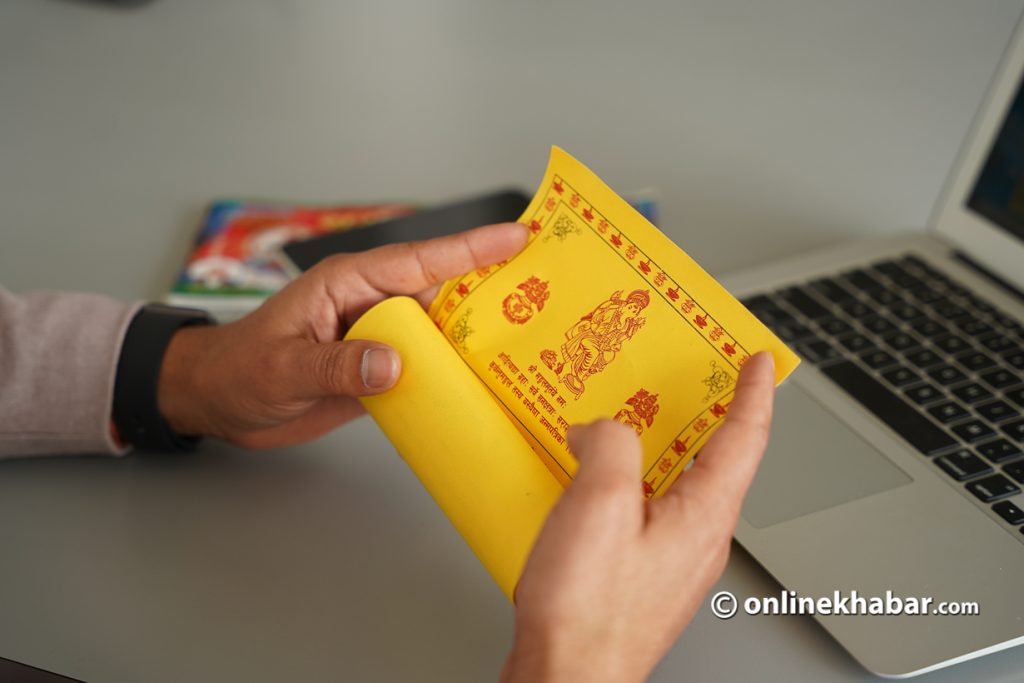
point(355, 367)
point(610, 460)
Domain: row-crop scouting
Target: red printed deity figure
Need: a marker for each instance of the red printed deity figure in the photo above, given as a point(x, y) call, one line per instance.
point(592, 343)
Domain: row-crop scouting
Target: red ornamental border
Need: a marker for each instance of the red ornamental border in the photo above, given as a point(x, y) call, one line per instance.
point(732, 352)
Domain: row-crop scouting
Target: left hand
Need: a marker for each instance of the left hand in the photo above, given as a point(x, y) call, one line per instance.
point(282, 375)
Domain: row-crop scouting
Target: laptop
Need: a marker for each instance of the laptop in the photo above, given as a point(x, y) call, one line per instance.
point(897, 454)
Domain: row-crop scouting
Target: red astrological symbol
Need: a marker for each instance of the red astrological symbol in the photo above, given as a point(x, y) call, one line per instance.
point(449, 305)
point(602, 226)
point(574, 201)
point(700, 425)
point(687, 306)
point(550, 204)
point(742, 360)
point(588, 214)
point(631, 252)
point(716, 333)
point(659, 279)
point(665, 465)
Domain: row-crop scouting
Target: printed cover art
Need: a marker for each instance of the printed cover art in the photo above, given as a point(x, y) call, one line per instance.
point(602, 316)
point(234, 251)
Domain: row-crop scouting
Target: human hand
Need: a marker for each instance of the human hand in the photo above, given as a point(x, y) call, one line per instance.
point(614, 579)
point(282, 375)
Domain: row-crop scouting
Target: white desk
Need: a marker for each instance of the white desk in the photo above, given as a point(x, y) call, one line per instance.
point(781, 125)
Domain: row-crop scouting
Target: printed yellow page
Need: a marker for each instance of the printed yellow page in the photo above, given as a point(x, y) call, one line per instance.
point(601, 315)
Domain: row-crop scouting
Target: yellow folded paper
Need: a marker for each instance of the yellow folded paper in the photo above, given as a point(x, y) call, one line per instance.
point(600, 315)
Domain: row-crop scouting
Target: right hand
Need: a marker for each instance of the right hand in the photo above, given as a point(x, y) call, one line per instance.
point(614, 579)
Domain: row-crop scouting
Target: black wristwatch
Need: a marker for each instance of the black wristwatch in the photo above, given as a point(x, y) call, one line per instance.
point(136, 412)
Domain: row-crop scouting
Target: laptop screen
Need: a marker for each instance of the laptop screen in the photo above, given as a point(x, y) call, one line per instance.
point(998, 194)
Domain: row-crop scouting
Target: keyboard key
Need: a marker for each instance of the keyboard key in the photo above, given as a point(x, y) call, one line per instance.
point(993, 488)
point(999, 450)
point(1010, 512)
point(924, 358)
point(877, 324)
point(918, 430)
point(831, 289)
point(947, 310)
point(1014, 430)
point(926, 295)
point(856, 342)
point(770, 313)
point(790, 331)
point(834, 326)
point(1015, 395)
point(924, 394)
point(946, 375)
point(1015, 470)
point(1005, 320)
point(803, 302)
point(975, 360)
point(997, 411)
point(885, 297)
point(859, 280)
point(901, 376)
point(889, 268)
point(999, 378)
point(951, 344)
point(973, 431)
point(930, 328)
point(856, 309)
point(900, 341)
point(1015, 359)
point(997, 343)
point(906, 312)
point(963, 465)
point(974, 327)
point(817, 351)
point(948, 412)
point(877, 360)
point(972, 393)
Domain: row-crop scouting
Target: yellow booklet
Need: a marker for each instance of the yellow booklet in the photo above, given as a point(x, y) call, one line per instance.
point(600, 315)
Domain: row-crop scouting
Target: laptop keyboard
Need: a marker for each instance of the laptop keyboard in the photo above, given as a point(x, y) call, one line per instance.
point(936, 363)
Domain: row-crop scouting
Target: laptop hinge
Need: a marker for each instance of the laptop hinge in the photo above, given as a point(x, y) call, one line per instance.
point(988, 274)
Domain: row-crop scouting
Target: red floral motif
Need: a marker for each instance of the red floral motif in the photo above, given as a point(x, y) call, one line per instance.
point(718, 410)
point(462, 289)
point(673, 293)
point(557, 186)
point(645, 267)
point(700, 321)
point(729, 349)
point(588, 214)
point(535, 226)
point(617, 240)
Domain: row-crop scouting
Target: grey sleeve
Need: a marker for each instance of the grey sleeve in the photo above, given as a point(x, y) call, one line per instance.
point(58, 360)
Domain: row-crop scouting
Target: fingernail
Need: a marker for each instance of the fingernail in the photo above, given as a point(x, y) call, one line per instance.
point(379, 368)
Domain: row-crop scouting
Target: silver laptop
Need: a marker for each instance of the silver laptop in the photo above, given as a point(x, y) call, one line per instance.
point(897, 456)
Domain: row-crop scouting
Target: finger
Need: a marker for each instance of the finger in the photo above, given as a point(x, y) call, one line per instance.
point(728, 461)
point(325, 416)
point(412, 267)
point(355, 367)
point(607, 484)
